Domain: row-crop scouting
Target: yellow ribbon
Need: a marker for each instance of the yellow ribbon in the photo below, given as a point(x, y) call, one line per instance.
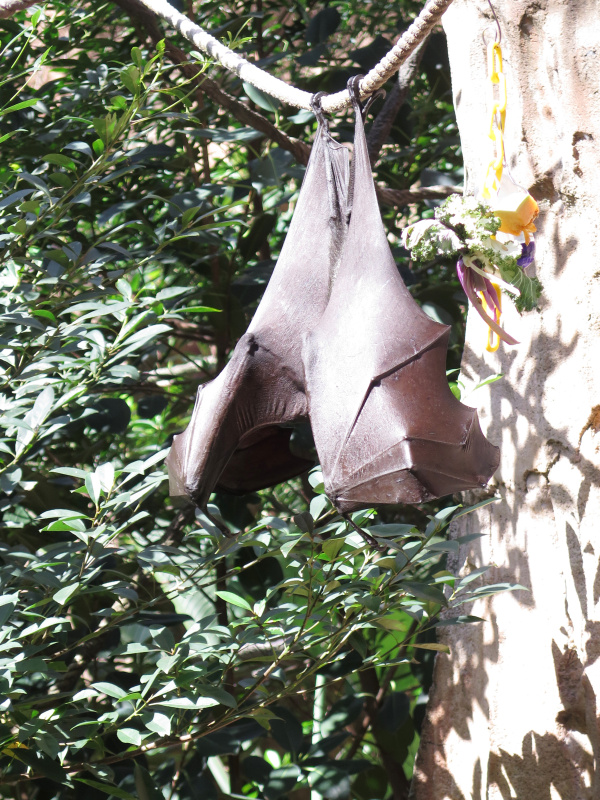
point(491, 184)
point(498, 100)
point(493, 342)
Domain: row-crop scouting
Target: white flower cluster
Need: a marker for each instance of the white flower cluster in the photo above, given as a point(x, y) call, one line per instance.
point(466, 228)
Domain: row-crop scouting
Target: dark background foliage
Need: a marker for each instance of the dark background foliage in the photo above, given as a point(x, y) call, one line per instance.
point(143, 202)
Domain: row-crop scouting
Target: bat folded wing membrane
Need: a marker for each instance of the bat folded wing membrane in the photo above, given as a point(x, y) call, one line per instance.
point(337, 340)
point(239, 434)
point(386, 425)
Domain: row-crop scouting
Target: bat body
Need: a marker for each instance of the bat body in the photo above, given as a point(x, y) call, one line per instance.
point(235, 438)
point(337, 340)
point(386, 425)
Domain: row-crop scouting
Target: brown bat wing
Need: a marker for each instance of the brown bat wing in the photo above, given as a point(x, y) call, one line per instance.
point(235, 439)
point(387, 427)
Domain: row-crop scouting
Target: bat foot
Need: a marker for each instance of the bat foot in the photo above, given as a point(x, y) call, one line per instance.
point(366, 536)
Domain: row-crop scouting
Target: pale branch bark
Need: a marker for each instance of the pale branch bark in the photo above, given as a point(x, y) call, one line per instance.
point(277, 88)
point(382, 124)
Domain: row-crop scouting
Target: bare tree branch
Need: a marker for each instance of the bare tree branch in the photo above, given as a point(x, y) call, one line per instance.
point(404, 197)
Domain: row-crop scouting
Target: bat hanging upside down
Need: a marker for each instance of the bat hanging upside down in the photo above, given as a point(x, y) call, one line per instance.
point(339, 342)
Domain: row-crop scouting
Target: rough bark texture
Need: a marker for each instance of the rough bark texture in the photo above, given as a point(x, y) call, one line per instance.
point(513, 712)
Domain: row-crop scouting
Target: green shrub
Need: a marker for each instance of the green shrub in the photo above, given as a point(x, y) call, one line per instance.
point(141, 652)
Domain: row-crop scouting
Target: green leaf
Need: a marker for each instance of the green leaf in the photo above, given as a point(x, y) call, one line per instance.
point(130, 77)
point(185, 703)
point(109, 689)
point(41, 408)
point(18, 107)
point(137, 58)
point(392, 624)
point(73, 472)
point(160, 724)
point(331, 547)
point(317, 505)
point(450, 546)
point(189, 214)
point(440, 648)
point(487, 381)
point(234, 600)
point(8, 604)
point(199, 310)
point(106, 476)
point(218, 694)
point(130, 736)
point(107, 788)
point(392, 530)
point(94, 487)
point(105, 127)
point(42, 625)
point(144, 784)
point(64, 595)
point(262, 99)
point(473, 575)
point(42, 313)
point(40, 762)
point(423, 591)
point(60, 161)
point(481, 504)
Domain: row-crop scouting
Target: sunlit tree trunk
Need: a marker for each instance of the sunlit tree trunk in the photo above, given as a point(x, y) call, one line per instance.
point(513, 712)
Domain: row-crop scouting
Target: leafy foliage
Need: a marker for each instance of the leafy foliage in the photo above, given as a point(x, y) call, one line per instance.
point(142, 654)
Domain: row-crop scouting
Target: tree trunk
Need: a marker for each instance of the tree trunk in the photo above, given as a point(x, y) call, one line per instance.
point(513, 712)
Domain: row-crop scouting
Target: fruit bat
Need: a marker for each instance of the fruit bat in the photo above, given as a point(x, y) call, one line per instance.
point(386, 426)
point(338, 340)
point(239, 435)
